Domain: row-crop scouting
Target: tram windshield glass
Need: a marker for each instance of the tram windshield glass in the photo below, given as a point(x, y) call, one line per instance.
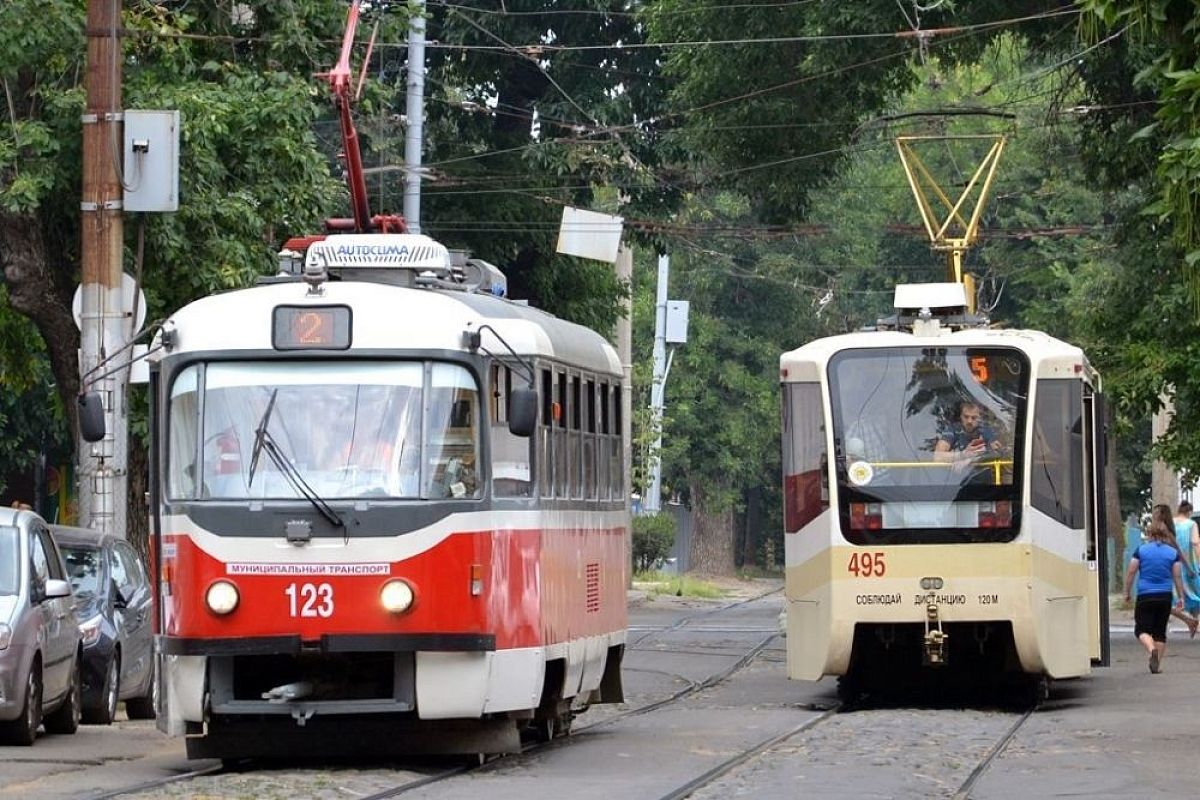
point(929, 443)
point(370, 429)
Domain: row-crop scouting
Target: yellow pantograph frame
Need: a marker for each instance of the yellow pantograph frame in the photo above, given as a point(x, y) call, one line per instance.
point(922, 183)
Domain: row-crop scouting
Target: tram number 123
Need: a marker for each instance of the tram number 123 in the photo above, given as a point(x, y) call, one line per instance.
point(310, 600)
point(867, 565)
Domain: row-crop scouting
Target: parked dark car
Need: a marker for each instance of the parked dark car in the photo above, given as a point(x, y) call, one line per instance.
point(114, 605)
point(39, 633)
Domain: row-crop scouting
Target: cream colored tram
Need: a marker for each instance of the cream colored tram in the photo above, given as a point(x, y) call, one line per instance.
point(906, 563)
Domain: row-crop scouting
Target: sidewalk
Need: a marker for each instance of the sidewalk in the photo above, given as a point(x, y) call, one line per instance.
point(1120, 619)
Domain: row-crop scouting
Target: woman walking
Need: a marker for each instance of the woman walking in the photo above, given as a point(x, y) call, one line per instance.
point(1187, 537)
point(1157, 565)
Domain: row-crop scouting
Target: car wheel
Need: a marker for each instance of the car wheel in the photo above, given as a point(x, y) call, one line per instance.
point(105, 709)
point(23, 729)
point(66, 718)
point(146, 706)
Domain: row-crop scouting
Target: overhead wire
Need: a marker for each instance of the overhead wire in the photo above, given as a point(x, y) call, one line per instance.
point(600, 12)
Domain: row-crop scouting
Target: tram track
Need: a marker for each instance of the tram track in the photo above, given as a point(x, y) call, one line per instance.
point(691, 687)
point(710, 779)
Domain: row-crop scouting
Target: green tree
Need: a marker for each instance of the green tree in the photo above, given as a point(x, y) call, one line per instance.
point(260, 141)
point(751, 299)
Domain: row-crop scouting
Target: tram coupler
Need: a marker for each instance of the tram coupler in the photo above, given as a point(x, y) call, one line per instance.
point(935, 638)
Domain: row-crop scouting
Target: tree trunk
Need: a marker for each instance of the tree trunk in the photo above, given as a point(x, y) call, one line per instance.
point(32, 292)
point(712, 537)
point(1164, 481)
point(137, 519)
point(753, 524)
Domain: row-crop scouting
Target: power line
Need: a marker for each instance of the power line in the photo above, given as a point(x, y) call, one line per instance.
point(634, 14)
point(544, 48)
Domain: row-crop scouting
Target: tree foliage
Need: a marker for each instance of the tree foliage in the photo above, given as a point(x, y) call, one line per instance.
point(1144, 75)
point(652, 536)
point(259, 149)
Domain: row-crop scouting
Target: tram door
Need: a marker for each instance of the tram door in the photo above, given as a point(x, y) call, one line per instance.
point(1094, 459)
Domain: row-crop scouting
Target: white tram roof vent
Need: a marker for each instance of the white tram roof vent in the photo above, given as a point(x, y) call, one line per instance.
point(399, 259)
point(928, 308)
point(381, 250)
point(395, 258)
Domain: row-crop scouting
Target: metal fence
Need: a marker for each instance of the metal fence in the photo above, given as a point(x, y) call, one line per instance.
point(679, 561)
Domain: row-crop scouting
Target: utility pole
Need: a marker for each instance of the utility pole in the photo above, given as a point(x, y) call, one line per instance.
point(413, 132)
point(624, 270)
point(652, 502)
point(103, 466)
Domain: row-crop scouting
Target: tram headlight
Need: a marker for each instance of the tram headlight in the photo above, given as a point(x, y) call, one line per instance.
point(222, 597)
point(396, 596)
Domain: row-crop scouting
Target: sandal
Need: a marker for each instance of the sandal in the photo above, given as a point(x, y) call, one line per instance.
point(1193, 625)
point(1154, 662)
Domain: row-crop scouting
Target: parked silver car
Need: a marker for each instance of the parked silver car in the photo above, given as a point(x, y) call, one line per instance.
point(40, 640)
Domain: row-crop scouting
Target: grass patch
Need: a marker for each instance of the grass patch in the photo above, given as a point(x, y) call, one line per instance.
point(679, 585)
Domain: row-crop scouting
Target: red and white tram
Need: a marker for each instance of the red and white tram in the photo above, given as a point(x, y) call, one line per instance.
point(352, 520)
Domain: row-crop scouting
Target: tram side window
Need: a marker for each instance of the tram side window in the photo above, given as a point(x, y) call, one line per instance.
point(576, 448)
point(805, 494)
point(616, 456)
point(1056, 469)
point(562, 481)
point(184, 430)
point(587, 435)
point(510, 454)
point(603, 479)
point(545, 435)
point(451, 433)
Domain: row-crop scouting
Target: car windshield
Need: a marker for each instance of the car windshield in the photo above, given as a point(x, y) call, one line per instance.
point(83, 567)
point(347, 429)
point(10, 572)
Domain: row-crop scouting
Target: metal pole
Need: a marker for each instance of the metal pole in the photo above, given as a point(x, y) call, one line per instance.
point(624, 269)
point(652, 502)
point(416, 120)
point(103, 465)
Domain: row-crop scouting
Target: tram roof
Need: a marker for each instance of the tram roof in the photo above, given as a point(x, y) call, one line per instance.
point(387, 317)
point(1038, 346)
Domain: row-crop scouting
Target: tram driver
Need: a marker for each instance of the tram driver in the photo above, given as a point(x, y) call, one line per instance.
point(966, 439)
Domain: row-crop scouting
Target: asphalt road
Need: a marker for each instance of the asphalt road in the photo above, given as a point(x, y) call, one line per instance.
point(1121, 733)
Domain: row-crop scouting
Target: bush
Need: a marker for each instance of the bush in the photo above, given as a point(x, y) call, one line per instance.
point(652, 540)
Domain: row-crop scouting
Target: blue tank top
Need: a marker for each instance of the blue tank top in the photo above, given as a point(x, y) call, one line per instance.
point(1183, 537)
point(1155, 560)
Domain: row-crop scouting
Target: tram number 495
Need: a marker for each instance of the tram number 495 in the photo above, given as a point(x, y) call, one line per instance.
point(867, 565)
point(310, 600)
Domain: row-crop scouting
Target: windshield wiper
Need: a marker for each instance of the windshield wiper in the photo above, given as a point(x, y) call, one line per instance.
point(260, 436)
point(267, 442)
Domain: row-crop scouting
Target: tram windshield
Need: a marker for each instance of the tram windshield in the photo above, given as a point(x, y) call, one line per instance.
point(369, 429)
point(928, 443)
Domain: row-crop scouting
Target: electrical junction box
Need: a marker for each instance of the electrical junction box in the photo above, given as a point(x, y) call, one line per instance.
point(677, 322)
point(151, 171)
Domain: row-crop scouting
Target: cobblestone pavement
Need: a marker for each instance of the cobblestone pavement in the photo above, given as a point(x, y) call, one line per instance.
point(892, 753)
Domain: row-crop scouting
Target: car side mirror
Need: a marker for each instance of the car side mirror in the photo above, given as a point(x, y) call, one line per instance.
point(57, 588)
point(91, 417)
point(522, 412)
point(120, 600)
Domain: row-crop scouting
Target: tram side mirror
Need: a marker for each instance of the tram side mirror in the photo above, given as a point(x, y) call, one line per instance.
point(91, 417)
point(522, 412)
